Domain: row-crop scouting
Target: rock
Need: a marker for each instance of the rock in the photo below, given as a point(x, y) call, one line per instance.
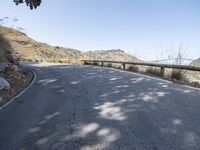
point(195, 84)
point(1, 99)
point(4, 84)
point(2, 66)
point(15, 68)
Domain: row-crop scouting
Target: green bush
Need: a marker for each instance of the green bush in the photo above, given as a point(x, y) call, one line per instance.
point(177, 74)
point(153, 71)
point(133, 68)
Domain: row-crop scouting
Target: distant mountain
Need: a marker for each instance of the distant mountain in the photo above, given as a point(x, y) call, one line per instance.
point(195, 62)
point(114, 54)
point(194, 74)
point(27, 49)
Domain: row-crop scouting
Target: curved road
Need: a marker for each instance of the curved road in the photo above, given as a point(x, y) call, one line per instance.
point(72, 107)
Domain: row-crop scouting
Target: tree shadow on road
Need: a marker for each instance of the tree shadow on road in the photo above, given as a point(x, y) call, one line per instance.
point(101, 108)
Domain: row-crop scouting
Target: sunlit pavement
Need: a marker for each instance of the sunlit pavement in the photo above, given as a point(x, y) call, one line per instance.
point(74, 107)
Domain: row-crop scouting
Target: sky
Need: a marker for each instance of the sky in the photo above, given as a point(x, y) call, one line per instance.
point(149, 29)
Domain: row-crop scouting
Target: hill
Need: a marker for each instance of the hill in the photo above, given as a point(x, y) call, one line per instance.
point(193, 74)
point(114, 54)
point(27, 49)
point(30, 50)
point(195, 62)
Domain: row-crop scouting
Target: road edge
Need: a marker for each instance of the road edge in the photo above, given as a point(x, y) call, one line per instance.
point(23, 91)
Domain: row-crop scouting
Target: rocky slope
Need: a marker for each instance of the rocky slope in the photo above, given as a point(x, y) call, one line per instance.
point(31, 50)
point(114, 54)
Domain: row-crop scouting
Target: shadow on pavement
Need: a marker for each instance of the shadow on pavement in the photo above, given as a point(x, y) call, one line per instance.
point(99, 108)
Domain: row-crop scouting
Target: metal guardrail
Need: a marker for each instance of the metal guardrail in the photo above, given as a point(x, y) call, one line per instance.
point(162, 66)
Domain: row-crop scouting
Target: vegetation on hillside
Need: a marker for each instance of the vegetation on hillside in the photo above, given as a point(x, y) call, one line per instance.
point(196, 62)
point(5, 48)
point(27, 49)
point(114, 54)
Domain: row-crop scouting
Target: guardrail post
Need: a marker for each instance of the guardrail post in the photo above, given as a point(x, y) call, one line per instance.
point(102, 63)
point(162, 71)
point(124, 66)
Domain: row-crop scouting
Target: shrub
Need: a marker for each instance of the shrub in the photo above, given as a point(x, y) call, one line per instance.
point(85, 63)
point(153, 71)
point(109, 65)
point(133, 68)
point(95, 63)
point(119, 67)
point(60, 61)
point(36, 60)
point(177, 74)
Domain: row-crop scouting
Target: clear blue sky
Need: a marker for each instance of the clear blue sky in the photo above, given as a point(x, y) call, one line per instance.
point(141, 27)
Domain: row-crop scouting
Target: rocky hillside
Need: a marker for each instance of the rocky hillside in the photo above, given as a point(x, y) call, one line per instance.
point(115, 54)
point(194, 74)
point(196, 62)
point(27, 49)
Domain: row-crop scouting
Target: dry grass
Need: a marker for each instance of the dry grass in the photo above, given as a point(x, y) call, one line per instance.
point(4, 46)
point(153, 71)
point(27, 49)
point(177, 74)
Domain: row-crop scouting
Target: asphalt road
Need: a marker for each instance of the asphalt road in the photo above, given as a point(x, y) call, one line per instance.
point(72, 107)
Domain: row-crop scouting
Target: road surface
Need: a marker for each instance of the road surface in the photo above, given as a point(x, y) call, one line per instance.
point(74, 107)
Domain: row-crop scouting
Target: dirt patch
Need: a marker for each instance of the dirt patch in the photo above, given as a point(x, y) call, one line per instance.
point(18, 81)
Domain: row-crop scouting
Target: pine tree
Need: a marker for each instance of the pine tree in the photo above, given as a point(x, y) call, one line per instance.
point(31, 3)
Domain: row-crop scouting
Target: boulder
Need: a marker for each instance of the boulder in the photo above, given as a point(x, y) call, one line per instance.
point(1, 99)
point(4, 84)
point(2, 66)
point(16, 68)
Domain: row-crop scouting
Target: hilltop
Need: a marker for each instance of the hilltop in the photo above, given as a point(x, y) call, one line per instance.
point(195, 62)
point(114, 54)
point(195, 75)
point(27, 49)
